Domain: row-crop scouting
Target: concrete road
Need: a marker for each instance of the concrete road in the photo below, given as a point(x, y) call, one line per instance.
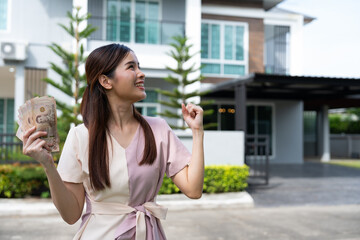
point(341, 222)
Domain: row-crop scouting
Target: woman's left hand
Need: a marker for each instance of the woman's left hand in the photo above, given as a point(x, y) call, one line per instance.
point(193, 116)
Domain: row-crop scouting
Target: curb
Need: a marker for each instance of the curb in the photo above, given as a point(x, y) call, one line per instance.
point(207, 201)
point(37, 207)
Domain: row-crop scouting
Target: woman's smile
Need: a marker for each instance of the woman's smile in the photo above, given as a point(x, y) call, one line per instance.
point(140, 84)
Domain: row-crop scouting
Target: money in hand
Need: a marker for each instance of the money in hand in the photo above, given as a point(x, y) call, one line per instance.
point(41, 113)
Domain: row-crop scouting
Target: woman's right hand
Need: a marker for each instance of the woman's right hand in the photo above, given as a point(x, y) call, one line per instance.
point(35, 147)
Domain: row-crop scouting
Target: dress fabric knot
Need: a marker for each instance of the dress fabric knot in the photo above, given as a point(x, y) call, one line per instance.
point(137, 221)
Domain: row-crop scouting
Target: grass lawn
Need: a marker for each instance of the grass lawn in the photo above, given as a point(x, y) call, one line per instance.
point(346, 163)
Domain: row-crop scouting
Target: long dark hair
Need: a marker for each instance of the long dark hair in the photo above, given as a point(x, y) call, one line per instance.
point(96, 111)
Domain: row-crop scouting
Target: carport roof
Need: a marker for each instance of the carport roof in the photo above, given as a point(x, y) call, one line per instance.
point(314, 91)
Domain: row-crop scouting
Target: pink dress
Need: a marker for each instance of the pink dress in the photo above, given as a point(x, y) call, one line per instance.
point(127, 210)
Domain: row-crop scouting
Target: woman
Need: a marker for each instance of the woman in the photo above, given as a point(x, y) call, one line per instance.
point(116, 160)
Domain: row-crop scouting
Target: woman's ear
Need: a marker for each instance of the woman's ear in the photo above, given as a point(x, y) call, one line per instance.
point(105, 82)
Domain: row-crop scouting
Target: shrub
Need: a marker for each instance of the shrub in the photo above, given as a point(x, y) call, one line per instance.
point(217, 179)
point(17, 181)
point(22, 180)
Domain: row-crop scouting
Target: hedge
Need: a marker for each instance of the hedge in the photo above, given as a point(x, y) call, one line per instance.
point(17, 181)
point(217, 179)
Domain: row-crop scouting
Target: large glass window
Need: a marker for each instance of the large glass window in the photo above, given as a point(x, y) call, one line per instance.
point(223, 115)
point(223, 48)
point(140, 25)
point(277, 49)
point(149, 106)
point(3, 14)
point(259, 122)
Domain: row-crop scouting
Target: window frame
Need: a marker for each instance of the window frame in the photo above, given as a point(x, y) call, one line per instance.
point(5, 115)
point(287, 47)
point(8, 18)
point(222, 61)
point(273, 125)
point(133, 22)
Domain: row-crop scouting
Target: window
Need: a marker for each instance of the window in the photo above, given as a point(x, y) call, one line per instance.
point(259, 122)
point(149, 106)
point(223, 48)
point(277, 52)
point(223, 115)
point(133, 21)
point(7, 124)
point(34, 85)
point(3, 14)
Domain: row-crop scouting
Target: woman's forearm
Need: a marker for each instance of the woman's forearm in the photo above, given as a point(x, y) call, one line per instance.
point(65, 200)
point(196, 167)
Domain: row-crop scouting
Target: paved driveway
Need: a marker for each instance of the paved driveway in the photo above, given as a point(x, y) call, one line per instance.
point(308, 184)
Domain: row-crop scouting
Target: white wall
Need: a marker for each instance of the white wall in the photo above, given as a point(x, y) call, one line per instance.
point(37, 28)
point(220, 147)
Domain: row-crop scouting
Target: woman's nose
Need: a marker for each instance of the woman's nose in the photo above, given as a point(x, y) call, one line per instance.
point(141, 75)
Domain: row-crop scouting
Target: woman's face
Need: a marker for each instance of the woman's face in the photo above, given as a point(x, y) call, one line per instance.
point(128, 80)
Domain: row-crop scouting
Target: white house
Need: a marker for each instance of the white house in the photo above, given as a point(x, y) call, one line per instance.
point(248, 48)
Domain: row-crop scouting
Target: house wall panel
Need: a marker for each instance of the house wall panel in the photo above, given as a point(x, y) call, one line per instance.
point(288, 132)
point(216, 152)
point(256, 39)
point(7, 82)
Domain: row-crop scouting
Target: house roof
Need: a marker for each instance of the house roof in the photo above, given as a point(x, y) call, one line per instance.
point(314, 91)
point(265, 4)
point(307, 18)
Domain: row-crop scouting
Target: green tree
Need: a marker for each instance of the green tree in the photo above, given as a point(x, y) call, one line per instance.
point(179, 78)
point(72, 82)
point(347, 123)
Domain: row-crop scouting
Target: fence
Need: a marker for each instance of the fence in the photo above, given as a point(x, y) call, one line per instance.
point(11, 150)
point(345, 145)
point(257, 158)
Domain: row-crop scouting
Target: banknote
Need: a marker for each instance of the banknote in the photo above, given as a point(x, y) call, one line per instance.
point(41, 113)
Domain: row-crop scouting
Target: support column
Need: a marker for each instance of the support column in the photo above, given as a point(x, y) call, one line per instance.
point(240, 107)
point(324, 134)
point(193, 33)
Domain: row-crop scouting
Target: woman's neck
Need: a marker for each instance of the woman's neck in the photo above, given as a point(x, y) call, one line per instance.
point(121, 115)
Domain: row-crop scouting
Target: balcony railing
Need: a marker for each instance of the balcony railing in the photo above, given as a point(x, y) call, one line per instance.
point(148, 31)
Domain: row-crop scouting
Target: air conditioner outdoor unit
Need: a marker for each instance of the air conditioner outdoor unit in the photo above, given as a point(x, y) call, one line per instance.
point(13, 51)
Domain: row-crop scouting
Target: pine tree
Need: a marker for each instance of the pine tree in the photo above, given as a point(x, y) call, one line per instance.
point(72, 82)
point(179, 78)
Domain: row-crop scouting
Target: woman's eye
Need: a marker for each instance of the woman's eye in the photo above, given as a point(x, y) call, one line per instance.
point(131, 66)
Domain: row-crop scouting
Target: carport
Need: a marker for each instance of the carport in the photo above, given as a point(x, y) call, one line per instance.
point(316, 94)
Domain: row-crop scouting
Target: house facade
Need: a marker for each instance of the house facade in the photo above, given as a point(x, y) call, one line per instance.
point(235, 38)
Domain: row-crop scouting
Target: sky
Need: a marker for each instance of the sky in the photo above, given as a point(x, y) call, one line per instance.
point(332, 41)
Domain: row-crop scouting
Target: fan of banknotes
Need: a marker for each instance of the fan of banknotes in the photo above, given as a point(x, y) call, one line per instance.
point(40, 112)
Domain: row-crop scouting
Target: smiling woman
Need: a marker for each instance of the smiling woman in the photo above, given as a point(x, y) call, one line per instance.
point(116, 160)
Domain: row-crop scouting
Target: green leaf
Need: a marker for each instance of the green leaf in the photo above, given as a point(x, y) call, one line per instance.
point(69, 30)
point(58, 86)
point(206, 102)
point(169, 114)
point(87, 31)
point(171, 104)
point(58, 50)
point(210, 125)
point(172, 80)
